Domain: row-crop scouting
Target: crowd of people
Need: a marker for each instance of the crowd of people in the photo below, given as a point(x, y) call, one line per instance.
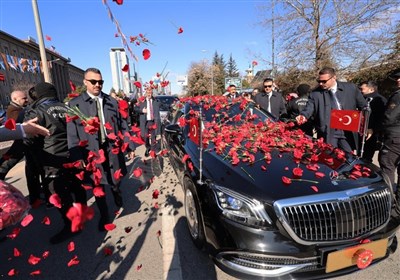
point(87, 141)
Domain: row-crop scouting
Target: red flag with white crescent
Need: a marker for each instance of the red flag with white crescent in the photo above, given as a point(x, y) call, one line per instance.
point(194, 133)
point(346, 120)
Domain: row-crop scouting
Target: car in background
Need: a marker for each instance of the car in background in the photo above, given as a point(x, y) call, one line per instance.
point(265, 201)
point(166, 103)
point(3, 116)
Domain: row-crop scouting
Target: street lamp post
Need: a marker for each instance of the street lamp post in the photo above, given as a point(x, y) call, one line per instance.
point(43, 58)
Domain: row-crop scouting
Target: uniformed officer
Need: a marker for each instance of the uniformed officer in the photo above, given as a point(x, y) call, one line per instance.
point(389, 155)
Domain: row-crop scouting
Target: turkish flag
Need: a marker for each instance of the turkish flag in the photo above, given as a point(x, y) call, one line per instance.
point(194, 133)
point(346, 120)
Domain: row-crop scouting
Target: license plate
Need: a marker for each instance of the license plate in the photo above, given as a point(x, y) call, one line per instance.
point(346, 257)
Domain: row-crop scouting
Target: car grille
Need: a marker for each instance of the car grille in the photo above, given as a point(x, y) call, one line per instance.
point(337, 220)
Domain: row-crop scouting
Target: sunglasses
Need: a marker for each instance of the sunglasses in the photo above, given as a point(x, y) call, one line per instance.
point(267, 86)
point(323, 81)
point(94, 82)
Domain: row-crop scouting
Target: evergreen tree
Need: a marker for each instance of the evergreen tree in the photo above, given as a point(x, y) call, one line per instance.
point(231, 68)
point(218, 67)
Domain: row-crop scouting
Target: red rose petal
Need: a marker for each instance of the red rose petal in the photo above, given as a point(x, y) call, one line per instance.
point(98, 192)
point(46, 221)
point(156, 193)
point(314, 188)
point(137, 172)
point(71, 246)
point(12, 272)
point(55, 200)
point(319, 175)
point(17, 253)
point(45, 254)
point(26, 220)
point(73, 261)
point(109, 227)
point(33, 260)
point(36, 272)
point(146, 54)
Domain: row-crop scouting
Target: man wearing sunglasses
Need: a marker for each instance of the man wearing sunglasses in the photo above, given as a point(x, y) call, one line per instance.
point(270, 100)
point(95, 103)
point(332, 94)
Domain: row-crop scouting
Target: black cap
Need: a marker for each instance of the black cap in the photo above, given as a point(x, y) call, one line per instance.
point(395, 76)
point(43, 90)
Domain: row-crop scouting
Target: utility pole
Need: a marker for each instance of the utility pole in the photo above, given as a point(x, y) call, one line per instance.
point(273, 39)
point(43, 58)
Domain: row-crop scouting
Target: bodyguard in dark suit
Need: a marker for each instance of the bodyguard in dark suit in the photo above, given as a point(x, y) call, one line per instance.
point(91, 104)
point(377, 104)
point(332, 94)
point(271, 101)
point(150, 121)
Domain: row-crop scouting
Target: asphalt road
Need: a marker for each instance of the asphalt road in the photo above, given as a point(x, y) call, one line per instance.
point(149, 241)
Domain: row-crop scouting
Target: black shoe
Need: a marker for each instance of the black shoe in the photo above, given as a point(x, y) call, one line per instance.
point(63, 235)
point(117, 198)
point(147, 153)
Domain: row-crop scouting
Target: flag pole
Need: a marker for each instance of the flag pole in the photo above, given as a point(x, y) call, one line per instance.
point(367, 113)
point(200, 181)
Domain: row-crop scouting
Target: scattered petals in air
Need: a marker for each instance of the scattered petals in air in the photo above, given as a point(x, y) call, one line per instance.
point(14, 233)
point(48, 38)
point(46, 221)
point(108, 251)
point(98, 192)
point(319, 175)
point(286, 180)
point(146, 54)
point(128, 229)
point(109, 227)
point(138, 84)
point(10, 124)
point(180, 30)
point(119, 2)
point(185, 158)
point(27, 220)
point(156, 193)
point(139, 267)
point(71, 246)
point(79, 214)
point(33, 260)
point(125, 68)
point(45, 254)
point(55, 200)
point(36, 272)
point(118, 174)
point(254, 63)
point(314, 188)
point(17, 253)
point(12, 272)
point(137, 172)
point(73, 261)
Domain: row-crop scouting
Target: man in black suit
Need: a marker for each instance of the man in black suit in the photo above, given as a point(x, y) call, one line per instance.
point(150, 121)
point(332, 94)
point(377, 104)
point(271, 101)
point(95, 103)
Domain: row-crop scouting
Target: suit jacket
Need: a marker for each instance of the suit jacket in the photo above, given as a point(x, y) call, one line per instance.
point(377, 105)
point(319, 106)
point(278, 107)
point(76, 133)
point(7, 134)
point(143, 117)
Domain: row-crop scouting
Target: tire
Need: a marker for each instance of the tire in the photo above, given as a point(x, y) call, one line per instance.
point(193, 214)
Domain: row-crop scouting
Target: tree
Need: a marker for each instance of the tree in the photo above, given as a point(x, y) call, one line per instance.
point(218, 73)
point(316, 33)
point(199, 77)
point(231, 68)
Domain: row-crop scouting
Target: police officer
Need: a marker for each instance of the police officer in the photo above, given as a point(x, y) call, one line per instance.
point(52, 152)
point(389, 155)
point(296, 105)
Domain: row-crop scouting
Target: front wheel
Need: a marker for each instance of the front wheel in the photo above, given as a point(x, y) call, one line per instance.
point(193, 214)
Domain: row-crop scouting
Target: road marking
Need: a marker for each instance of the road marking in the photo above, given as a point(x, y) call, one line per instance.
point(171, 261)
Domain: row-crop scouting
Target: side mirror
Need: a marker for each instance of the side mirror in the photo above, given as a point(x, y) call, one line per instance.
point(173, 129)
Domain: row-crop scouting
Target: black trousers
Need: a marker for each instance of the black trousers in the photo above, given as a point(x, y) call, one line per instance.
point(150, 135)
point(389, 159)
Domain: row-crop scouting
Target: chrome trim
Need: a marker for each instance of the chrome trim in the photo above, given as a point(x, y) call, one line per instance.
point(272, 266)
point(337, 216)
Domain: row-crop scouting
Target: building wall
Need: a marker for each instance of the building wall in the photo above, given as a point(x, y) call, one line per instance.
point(120, 79)
point(23, 79)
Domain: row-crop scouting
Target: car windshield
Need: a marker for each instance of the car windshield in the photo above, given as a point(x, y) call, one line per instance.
point(166, 102)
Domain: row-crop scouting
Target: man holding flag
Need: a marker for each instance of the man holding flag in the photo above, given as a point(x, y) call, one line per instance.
point(333, 105)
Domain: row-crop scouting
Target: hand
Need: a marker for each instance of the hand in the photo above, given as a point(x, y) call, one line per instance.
point(300, 119)
point(32, 128)
point(369, 133)
point(144, 110)
point(131, 154)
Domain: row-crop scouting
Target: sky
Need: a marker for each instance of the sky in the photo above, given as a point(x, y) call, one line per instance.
point(83, 31)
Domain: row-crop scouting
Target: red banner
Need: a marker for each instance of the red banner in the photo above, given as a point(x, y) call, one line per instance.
point(346, 120)
point(194, 133)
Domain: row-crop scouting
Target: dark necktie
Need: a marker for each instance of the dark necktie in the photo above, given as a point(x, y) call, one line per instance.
point(335, 100)
point(101, 119)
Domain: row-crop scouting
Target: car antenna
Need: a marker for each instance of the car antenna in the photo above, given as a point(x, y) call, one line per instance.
point(200, 181)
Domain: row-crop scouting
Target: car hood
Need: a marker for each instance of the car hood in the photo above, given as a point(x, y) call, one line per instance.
point(265, 181)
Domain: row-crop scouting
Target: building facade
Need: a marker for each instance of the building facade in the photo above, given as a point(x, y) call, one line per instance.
point(121, 80)
point(21, 68)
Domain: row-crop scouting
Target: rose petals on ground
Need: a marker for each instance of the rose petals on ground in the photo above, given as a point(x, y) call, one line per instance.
point(109, 227)
point(155, 194)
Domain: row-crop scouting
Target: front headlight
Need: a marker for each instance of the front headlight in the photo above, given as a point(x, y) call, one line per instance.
point(240, 208)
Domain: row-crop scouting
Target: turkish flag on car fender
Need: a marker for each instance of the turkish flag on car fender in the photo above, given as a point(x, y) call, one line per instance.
point(346, 120)
point(194, 132)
